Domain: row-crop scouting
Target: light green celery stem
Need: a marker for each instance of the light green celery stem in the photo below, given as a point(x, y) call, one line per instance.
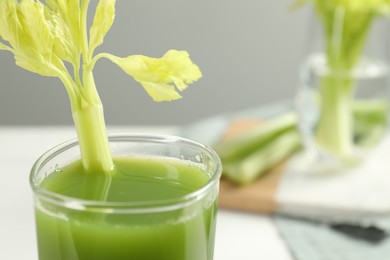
point(88, 115)
point(371, 121)
point(95, 151)
point(88, 118)
point(243, 144)
point(371, 112)
point(257, 163)
point(345, 33)
point(90, 125)
point(91, 132)
point(335, 127)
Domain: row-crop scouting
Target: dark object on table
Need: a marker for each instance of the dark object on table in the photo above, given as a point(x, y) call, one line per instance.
point(370, 233)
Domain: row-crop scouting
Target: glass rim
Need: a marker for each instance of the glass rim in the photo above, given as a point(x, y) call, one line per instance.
point(366, 67)
point(126, 207)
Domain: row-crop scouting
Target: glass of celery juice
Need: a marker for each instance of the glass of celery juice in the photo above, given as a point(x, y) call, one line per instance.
point(160, 202)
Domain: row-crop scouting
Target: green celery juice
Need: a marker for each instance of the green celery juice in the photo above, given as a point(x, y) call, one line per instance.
point(67, 232)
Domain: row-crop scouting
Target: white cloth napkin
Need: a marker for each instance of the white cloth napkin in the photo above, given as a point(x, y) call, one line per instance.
point(354, 193)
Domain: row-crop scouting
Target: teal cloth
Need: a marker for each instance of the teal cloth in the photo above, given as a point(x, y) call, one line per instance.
point(309, 240)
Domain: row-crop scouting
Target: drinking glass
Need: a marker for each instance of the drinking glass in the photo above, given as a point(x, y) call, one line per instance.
point(179, 228)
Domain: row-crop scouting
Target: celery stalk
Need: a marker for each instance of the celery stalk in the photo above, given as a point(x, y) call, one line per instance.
point(241, 145)
point(334, 129)
point(90, 127)
point(88, 113)
point(370, 121)
point(257, 163)
point(43, 37)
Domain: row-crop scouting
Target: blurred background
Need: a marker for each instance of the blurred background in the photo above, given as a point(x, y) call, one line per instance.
point(249, 52)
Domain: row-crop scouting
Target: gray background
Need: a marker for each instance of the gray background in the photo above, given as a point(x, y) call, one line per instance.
point(249, 52)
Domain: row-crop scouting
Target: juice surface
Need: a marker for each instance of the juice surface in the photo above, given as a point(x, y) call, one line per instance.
point(181, 234)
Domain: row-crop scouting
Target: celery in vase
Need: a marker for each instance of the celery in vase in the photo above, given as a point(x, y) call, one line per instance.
point(343, 97)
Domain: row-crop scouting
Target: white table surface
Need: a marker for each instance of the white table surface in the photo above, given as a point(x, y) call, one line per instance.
point(240, 236)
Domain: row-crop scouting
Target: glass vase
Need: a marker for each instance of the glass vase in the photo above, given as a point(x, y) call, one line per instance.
point(343, 99)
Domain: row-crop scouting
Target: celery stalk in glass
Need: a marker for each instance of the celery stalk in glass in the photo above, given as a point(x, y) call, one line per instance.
point(45, 36)
point(346, 25)
point(345, 32)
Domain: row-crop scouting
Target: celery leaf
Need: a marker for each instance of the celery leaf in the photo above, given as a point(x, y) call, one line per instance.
point(4, 47)
point(160, 76)
point(64, 19)
point(102, 22)
point(23, 25)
